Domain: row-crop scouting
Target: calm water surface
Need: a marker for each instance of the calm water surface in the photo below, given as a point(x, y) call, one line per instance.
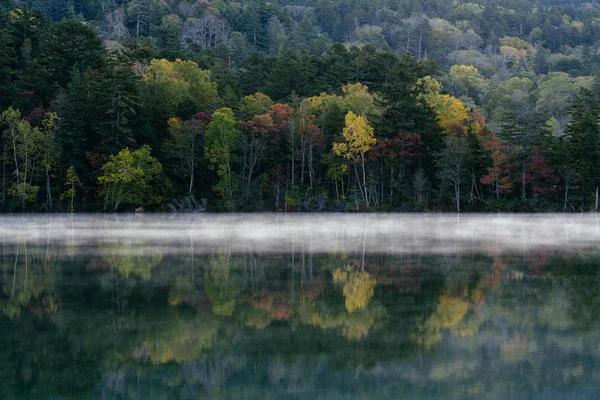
point(303, 307)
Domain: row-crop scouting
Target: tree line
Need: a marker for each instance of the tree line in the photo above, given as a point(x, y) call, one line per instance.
point(338, 124)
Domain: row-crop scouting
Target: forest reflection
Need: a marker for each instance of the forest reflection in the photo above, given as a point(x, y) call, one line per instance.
point(106, 321)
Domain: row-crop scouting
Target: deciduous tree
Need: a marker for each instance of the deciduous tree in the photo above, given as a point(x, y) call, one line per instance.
point(358, 139)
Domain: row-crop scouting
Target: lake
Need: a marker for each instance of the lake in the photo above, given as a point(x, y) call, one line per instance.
point(270, 306)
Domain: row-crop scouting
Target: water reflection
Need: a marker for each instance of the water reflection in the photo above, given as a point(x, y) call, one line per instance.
point(101, 319)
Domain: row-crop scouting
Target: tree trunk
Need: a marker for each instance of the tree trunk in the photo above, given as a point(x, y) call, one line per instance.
point(457, 193)
point(48, 191)
point(497, 190)
point(72, 196)
point(523, 183)
point(566, 195)
point(392, 184)
point(302, 154)
point(250, 171)
point(137, 29)
point(362, 194)
point(362, 156)
point(293, 155)
point(191, 178)
point(3, 178)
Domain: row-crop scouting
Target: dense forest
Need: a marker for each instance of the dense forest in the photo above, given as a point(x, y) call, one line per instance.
point(304, 105)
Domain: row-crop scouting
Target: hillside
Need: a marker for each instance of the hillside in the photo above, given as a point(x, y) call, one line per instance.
point(303, 105)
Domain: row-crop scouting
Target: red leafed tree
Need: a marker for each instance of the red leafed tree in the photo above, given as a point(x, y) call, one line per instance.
point(312, 144)
point(36, 116)
point(541, 176)
point(261, 133)
point(498, 175)
point(264, 133)
point(280, 113)
point(477, 121)
point(202, 116)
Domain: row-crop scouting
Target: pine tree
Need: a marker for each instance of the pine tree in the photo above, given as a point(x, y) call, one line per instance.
point(584, 134)
point(116, 107)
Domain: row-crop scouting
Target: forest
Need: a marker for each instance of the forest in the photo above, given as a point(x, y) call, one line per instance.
point(299, 105)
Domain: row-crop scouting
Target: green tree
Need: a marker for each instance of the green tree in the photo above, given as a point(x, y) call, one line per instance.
point(452, 165)
point(221, 140)
point(129, 178)
point(72, 182)
point(70, 46)
point(170, 84)
point(584, 135)
point(8, 72)
point(76, 115)
point(116, 107)
point(26, 149)
point(185, 144)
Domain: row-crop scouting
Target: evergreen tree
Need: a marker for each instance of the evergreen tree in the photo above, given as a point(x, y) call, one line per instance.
point(584, 134)
point(116, 108)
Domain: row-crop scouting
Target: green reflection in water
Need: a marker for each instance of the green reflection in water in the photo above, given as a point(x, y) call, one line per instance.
point(113, 323)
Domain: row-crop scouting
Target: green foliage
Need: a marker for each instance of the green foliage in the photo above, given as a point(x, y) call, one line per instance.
point(72, 182)
point(220, 144)
point(25, 148)
point(117, 76)
point(168, 86)
point(70, 46)
point(130, 177)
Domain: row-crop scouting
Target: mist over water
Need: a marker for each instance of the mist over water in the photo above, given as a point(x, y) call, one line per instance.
point(269, 306)
point(337, 233)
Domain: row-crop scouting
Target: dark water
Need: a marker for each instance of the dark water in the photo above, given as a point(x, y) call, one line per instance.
point(125, 308)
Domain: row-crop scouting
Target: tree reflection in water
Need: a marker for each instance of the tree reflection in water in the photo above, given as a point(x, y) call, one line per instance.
point(107, 320)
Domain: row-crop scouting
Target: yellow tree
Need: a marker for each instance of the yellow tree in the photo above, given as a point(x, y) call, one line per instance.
point(359, 287)
point(358, 139)
point(465, 79)
point(450, 110)
point(356, 98)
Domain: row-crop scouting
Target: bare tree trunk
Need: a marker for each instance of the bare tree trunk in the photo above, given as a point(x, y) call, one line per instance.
point(311, 167)
point(362, 194)
point(72, 195)
point(362, 156)
point(392, 183)
point(523, 183)
point(303, 155)
point(48, 191)
point(250, 171)
point(382, 181)
point(191, 178)
point(567, 184)
point(457, 193)
point(337, 193)
point(137, 28)
point(3, 178)
point(497, 190)
point(292, 132)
